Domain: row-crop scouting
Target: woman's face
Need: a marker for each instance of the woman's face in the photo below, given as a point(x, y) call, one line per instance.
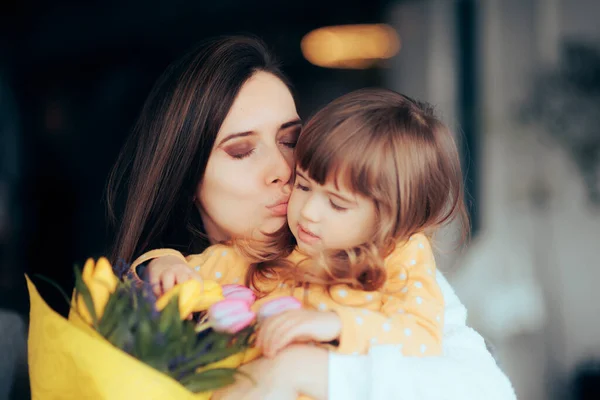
point(246, 185)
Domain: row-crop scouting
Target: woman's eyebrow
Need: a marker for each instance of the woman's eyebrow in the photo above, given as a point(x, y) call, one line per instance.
point(236, 135)
point(249, 133)
point(291, 123)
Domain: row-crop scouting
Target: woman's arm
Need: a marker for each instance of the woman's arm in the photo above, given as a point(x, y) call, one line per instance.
point(466, 370)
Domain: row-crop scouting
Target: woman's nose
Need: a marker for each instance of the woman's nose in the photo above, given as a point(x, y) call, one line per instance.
point(279, 170)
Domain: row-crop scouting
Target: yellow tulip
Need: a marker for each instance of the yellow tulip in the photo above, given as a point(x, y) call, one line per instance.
point(101, 283)
point(233, 361)
point(194, 296)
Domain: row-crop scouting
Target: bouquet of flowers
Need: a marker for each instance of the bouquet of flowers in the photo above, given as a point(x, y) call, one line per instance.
point(121, 342)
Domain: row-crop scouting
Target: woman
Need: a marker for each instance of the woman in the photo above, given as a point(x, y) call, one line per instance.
point(210, 159)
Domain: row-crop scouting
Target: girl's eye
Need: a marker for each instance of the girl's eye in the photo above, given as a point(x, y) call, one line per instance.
point(301, 187)
point(336, 207)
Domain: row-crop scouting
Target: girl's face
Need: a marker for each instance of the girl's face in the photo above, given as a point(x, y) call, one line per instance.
point(246, 186)
point(323, 217)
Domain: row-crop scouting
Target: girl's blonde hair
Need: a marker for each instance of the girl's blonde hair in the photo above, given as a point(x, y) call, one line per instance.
point(386, 147)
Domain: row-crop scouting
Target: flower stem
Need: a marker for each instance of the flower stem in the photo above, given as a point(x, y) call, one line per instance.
point(203, 326)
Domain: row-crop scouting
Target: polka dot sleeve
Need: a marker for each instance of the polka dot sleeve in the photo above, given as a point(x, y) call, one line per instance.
point(218, 263)
point(410, 311)
point(221, 264)
point(150, 255)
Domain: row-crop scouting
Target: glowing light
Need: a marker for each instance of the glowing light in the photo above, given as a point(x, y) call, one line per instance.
point(350, 46)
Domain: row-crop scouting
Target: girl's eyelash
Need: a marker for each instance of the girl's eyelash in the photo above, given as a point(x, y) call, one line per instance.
point(333, 205)
point(242, 156)
point(336, 207)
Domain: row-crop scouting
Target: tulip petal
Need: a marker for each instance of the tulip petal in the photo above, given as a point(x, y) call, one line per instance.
point(277, 306)
point(88, 270)
point(234, 323)
point(189, 292)
point(194, 296)
point(104, 273)
point(230, 315)
point(239, 292)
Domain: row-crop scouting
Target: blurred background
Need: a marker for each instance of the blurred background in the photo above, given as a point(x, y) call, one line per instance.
point(517, 80)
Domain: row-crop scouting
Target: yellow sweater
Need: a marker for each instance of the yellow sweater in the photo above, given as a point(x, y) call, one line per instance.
point(407, 311)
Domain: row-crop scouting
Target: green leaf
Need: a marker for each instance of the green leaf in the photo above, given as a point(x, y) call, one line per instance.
point(209, 380)
point(170, 321)
point(189, 338)
point(208, 357)
point(55, 285)
point(244, 337)
point(83, 290)
point(120, 335)
point(143, 339)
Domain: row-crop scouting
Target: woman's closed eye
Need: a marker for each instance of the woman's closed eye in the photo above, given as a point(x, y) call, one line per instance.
point(290, 137)
point(289, 143)
point(240, 151)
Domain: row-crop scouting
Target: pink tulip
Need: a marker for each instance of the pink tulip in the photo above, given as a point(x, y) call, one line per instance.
point(239, 292)
point(277, 306)
point(230, 315)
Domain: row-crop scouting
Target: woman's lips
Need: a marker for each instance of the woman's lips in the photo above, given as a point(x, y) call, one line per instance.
point(279, 209)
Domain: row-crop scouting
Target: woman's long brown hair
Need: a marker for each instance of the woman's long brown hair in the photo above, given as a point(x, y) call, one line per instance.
point(388, 148)
point(151, 187)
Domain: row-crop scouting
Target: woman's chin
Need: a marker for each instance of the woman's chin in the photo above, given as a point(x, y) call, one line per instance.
point(271, 227)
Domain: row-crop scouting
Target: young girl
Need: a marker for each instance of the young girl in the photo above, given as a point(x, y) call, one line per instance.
point(377, 174)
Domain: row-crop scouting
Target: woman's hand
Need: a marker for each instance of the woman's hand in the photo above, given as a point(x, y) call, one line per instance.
point(165, 272)
point(281, 330)
point(298, 369)
point(268, 383)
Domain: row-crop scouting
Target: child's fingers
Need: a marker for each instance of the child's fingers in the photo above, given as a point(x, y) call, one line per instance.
point(287, 334)
point(167, 281)
point(263, 331)
point(275, 341)
point(155, 284)
point(195, 275)
point(280, 343)
point(268, 329)
point(182, 275)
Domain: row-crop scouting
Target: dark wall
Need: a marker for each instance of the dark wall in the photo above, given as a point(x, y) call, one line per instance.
point(79, 72)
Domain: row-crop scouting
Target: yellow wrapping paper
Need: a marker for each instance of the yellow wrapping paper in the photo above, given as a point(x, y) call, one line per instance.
point(71, 361)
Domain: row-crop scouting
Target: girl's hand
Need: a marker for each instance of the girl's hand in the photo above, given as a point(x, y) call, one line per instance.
point(165, 272)
point(281, 330)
